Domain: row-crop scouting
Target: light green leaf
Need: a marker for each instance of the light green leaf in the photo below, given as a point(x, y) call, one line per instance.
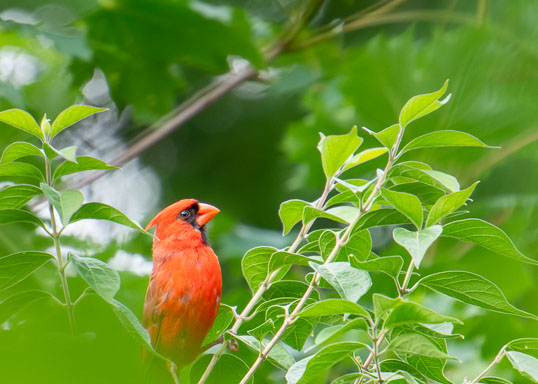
point(104, 280)
point(19, 149)
point(443, 139)
point(229, 369)
point(527, 365)
point(16, 196)
point(311, 213)
point(263, 329)
point(288, 288)
point(416, 344)
point(18, 266)
point(346, 213)
point(472, 289)
point(487, 236)
point(72, 115)
point(526, 345)
point(223, 320)
point(417, 243)
point(278, 356)
point(418, 171)
point(394, 365)
point(19, 216)
point(350, 378)
point(426, 193)
point(336, 149)
point(17, 302)
point(364, 156)
point(305, 370)
point(411, 313)
point(83, 163)
point(298, 333)
point(406, 203)
point(15, 169)
point(383, 304)
point(379, 218)
point(281, 258)
point(330, 334)
point(494, 380)
point(349, 282)
point(99, 211)
point(422, 105)
point(359, 246)
point(291, 212)
point(429, 367)
point(448, 204)
point(65, 202)
point(255, 265)
point(68, 153)
point(22, 120)
point(334, 307)
point(387, 136)
point(448, 181)
point(391, 265)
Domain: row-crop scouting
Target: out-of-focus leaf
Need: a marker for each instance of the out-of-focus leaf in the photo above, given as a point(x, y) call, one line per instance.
point(406, 203)
point(19, 149)
point(422, 105)
point(416, 344)
point(308, 368)
point(278, 356)
point(527, 365)
point(443, 139)
point(84, 163)
point(14, 169)
point(22, 120)
point(349, 282)
point(333, 307)
point(336, 149)
point(104, 280)
point(224, 318)
point(19, 216)
point(99, 211)
point(65, 202)
point(411, 313)
point(472, 289)
point(255, 265)
point(72, 115)
point(364, 156)
point(16, 196)
point(13, 304)
point(486, 235)
point(18, 266)
point(229, 369)
point(448, 204)
point(417, 243)
point(291, 212)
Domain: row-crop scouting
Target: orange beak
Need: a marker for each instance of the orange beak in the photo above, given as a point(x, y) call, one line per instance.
point(206, 213)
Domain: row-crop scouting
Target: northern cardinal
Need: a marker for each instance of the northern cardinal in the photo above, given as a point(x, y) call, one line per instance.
point(185, 286)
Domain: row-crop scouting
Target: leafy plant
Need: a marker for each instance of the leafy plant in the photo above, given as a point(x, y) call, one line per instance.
point(387, 338)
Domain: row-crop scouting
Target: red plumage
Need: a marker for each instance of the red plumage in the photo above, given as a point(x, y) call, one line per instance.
point(185, 286)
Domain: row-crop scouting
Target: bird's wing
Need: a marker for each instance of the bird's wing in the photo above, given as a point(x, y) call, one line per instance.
point(152, 315)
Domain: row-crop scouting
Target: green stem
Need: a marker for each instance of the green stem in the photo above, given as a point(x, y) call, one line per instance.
point(410, 269)
point(495, 361)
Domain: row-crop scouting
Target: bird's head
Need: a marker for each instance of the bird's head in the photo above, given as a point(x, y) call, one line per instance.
point(181, 218)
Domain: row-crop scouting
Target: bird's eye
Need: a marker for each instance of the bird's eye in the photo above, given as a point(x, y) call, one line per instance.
point(184, 214)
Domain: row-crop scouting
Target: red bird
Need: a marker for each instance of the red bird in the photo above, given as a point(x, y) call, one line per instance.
point(185, 286)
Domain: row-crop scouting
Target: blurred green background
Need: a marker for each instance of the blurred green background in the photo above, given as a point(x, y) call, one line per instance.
point(340, 63)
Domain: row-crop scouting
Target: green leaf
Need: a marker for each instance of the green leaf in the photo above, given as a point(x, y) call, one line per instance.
point(416, 344)
point(417, 243)
point(383, 304)
point(359, 246)
point(291, 212)
point(335, 150)
point(350, 378)
point(99, 211)
point(229, 369)
point(223, 320)
point(387, 136)
point(329, 307)
point(16, 196)
point(379, 218)
point(19, 149)
point(104, 280)
point(443, 139)
point(18, 266)
point(19, 216)
point(263, 329)
point(526, 345)
point(448, 204)
point(68, 153)
point(330, 334)
point(364, 156)
point(83, 163)
point(280, 258)
point(429, 367)
point(409, 170)
point(426, 193)
point(72, 115)
point(494, 380)
point(391, 265)
point(487, 236)
point(411, 313)
point(406, 203)
point(311, 213)
point(305, 370)
point(298, 333)
point(472, 289)
point(393, 365)
point(255, 265)
point(17, 302)
point(527, 365)
point(448, 181)
point(278, 356)
point(422, 105)
point(349, 282)
point(14, 169)
point(288, 288)
point(22, 120)
point(65, 202)
point(347, 213)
